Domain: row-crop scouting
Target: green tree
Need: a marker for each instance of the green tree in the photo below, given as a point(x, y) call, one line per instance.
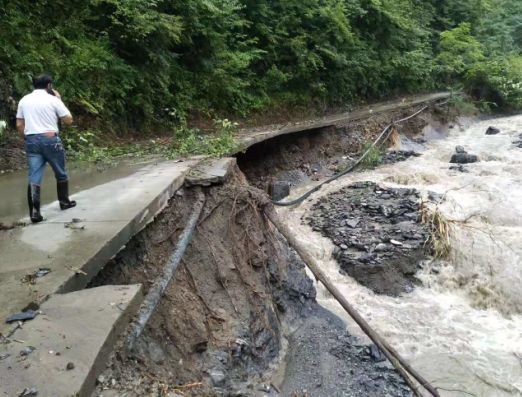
point(459, 51)
point(141, 65)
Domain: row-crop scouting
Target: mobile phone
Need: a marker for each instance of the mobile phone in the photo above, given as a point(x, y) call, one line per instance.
point(50, 90)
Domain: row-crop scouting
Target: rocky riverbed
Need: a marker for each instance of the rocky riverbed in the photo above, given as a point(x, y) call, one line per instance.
point(326, 361)
point(377, 232)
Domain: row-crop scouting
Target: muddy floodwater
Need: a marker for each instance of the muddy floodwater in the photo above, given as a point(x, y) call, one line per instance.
point(461, 327)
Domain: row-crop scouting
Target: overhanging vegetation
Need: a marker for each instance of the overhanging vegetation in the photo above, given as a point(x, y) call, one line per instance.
point(131, 64)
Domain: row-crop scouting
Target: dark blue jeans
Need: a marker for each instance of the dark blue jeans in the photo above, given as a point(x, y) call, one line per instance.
point(41, 150)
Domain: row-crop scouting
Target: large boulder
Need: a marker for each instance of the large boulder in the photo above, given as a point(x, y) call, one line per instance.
point(464, 158)
point(461, 156)
point(492, 131)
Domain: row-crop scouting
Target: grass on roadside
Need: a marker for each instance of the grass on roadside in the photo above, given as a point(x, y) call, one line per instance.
point(191, 141)
point(88, 145)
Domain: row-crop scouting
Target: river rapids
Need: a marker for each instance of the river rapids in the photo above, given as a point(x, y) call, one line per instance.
point(462, 326)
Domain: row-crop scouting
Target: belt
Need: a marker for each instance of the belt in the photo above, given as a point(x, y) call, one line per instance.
point(49, 134)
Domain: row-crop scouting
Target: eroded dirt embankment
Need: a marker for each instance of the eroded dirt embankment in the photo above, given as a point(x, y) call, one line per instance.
point(379, 239)
point(310, 156)
point(240, 299)
point(219, 321)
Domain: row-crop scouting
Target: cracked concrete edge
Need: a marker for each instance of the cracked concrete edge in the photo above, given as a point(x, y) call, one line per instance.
point(112, 247)
point(103, 356)
point(95, 250)
point(210, 172)
point(248, 139)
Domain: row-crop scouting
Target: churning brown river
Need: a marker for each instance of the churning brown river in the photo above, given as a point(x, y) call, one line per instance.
point(462, 327)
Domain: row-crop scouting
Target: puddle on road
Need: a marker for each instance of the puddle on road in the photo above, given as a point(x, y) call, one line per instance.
point(13, 186)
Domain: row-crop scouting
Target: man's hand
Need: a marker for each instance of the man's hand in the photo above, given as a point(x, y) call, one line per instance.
point(57, 94)
point(67, 120)
point(20, 126)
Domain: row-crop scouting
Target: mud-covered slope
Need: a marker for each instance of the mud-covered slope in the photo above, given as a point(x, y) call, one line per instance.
point(219, 323)
point(239, 301)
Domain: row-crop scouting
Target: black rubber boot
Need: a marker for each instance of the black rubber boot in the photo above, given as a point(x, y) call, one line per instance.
point(33, 199)
point(62, 189)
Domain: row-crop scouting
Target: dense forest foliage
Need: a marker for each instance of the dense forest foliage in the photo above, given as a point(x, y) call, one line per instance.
point(139, 63)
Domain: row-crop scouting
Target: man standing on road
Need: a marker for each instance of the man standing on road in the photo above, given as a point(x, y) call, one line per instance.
point(37, 118)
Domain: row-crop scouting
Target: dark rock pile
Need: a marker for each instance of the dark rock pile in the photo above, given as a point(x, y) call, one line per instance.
point(463, 157)
point(377, 232)
point(395, 156)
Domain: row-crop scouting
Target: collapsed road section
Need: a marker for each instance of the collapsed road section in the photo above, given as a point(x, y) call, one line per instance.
point(72, 247)
point(239, 317)
point(239, 296)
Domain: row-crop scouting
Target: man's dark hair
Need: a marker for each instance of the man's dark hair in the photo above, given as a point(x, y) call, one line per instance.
point(42, 81)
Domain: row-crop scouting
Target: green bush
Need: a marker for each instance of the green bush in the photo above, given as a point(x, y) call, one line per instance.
point(498, 81)
point(462, 104)
point(483, 53)
point(374, 156)
point(187, 141)
point(459, 51)
point(191, 141)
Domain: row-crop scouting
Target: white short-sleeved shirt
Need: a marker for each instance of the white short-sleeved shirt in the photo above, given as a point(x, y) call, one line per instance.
point(41, 112)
